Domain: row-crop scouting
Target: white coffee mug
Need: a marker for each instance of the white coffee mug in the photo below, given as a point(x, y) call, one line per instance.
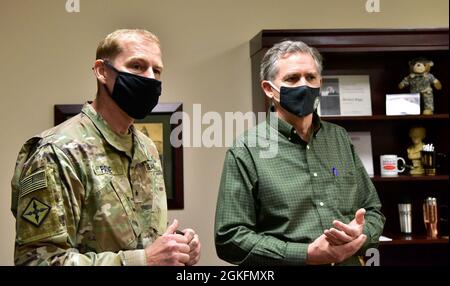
point(389, 165)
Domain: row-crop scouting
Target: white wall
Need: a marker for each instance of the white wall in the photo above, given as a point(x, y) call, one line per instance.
point(46, 55)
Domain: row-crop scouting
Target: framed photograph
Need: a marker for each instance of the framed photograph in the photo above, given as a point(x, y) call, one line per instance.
point(345, 95)
point(157, 126)
point(330, 99)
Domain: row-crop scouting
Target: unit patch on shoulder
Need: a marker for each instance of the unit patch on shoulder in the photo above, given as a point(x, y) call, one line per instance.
point(36, 212)
point(33, 183)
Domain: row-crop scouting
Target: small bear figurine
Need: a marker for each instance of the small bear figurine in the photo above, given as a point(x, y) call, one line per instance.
point(420, 80)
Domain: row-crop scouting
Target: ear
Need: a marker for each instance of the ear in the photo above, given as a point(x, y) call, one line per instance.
point(100, 71)
point(430, 63)
point(267, 88)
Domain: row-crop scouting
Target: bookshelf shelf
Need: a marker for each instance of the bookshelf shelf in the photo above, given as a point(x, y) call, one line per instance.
point(415, 239)
point(435, 117)
point(406, 178)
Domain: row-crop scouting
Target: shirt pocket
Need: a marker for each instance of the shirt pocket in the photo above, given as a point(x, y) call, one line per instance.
point(346, 193)
point(110, 211)
point(150, 197)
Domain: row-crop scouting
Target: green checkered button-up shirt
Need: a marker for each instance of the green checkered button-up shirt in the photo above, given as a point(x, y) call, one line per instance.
point(270, 209)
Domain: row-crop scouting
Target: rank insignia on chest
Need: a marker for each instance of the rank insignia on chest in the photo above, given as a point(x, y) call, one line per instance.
point(102, 169)
point(149, 165)
point(36, 212)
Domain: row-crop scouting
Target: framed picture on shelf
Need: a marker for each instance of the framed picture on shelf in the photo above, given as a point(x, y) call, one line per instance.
point(345, 95)
point(156, 126)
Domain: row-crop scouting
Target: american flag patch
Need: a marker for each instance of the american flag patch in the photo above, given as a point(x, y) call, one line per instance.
point(33, 183)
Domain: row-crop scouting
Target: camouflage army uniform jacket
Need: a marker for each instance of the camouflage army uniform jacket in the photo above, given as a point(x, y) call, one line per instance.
point(85, 195)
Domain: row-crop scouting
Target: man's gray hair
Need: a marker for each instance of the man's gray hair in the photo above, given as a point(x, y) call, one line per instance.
point(269, 65)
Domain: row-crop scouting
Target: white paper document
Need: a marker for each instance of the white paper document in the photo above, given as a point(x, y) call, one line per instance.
point(403, 104)
point(384, 238)
point(363, 146)
point(345, 95)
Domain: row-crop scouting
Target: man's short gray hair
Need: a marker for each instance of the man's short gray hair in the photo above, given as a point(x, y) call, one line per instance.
point(269, 65)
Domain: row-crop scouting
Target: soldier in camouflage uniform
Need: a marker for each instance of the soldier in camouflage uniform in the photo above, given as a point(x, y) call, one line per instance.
point(90, 191)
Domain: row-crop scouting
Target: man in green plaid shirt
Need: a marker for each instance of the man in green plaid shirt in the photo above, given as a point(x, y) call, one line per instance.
point(310, 201)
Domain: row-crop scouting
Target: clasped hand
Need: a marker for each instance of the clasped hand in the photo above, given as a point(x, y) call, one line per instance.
point(339, 242)
point(174, 249)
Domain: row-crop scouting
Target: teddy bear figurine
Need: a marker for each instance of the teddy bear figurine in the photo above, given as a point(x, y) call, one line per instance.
point(420, 80)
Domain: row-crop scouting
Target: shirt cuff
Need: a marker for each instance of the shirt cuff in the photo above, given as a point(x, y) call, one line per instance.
point(296, 253)
point(371, 242)
point(133, 257)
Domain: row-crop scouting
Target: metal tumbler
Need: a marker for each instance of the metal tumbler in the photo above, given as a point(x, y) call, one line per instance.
point(405, 215)
point(430, 216)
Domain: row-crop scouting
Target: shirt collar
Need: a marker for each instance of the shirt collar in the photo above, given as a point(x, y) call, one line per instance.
point(118, 141)
point(286, 129)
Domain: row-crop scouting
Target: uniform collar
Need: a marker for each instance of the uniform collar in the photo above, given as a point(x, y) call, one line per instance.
point(118, 141)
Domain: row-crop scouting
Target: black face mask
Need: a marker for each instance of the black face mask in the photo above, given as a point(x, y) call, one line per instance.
point(134, 94)
point(300, 100)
